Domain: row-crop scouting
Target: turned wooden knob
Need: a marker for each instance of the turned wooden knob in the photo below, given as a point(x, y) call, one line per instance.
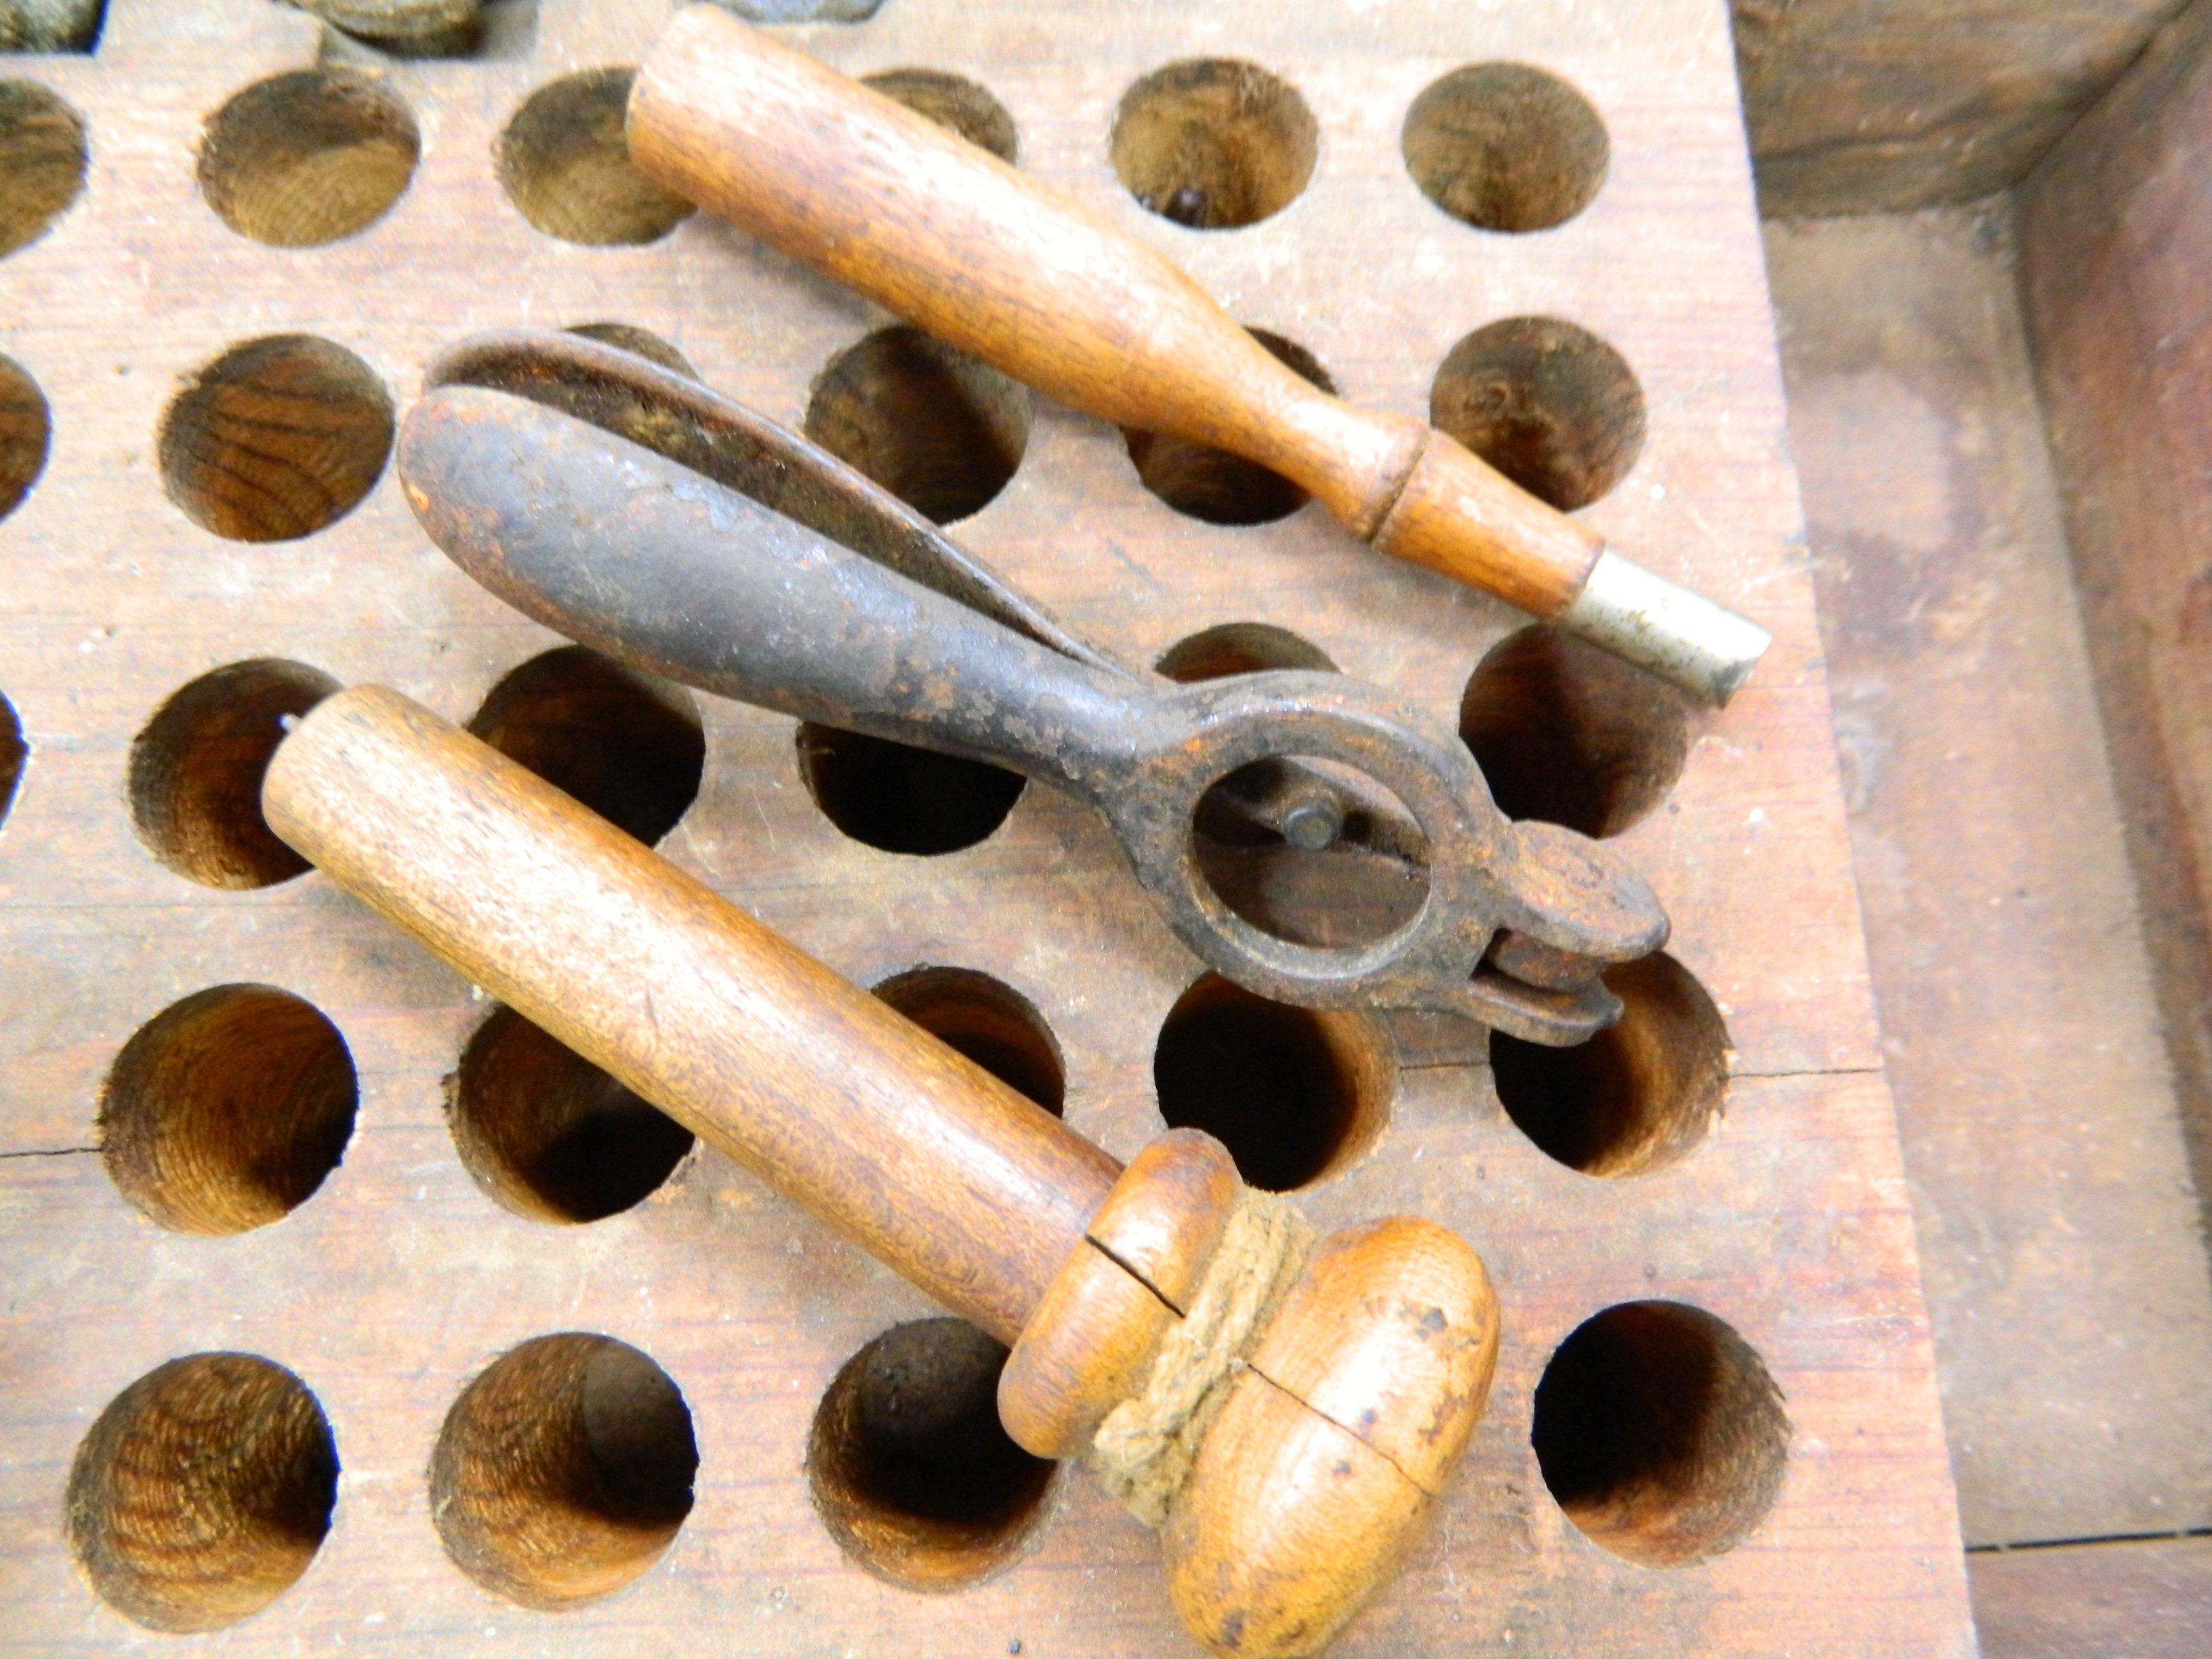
point(1285, 1411)
point(1360, 1371)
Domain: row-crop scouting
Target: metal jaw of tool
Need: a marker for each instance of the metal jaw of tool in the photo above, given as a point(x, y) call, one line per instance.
point(677, 530)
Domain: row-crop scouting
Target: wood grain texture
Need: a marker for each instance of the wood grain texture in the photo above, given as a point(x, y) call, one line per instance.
point(2138, 1598)
point(959, 242)
point(1859, 107)
point(908, 1147)
point(2114, 243)
point(399, 1279)
point(2044, 1126)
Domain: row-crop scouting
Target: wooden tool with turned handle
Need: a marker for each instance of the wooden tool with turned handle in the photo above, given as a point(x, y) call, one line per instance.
point(950, 237)
point(1286, 1411)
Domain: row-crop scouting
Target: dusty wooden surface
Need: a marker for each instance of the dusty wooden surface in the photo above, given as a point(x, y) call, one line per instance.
point(400, 1278)
point(1870, 107)
point(2043, 1126)
point(2114, 240)
point(2137, 1599)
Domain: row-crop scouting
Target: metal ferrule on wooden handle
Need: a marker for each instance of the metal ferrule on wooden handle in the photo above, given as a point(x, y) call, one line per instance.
point(1286, 1411)
point(987, 259)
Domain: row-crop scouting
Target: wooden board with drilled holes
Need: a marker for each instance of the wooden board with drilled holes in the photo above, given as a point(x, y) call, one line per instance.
point(397, 1277)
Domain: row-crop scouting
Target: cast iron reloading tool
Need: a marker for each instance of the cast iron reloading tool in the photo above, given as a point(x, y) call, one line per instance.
point(988, 259)
point(677, 530)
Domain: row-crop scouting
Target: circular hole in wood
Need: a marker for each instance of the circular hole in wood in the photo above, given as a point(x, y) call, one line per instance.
point(1311, 851)
point(195, 771)
point(1214, 143)
point(43, 152)
point(1660, 1433)
point(227, 1111)
point(638, 343)
point(1505, 147)
point(307, 157)
point(1212, 485)
point(564, 1470)
point(548, 1134)
point(26, 431)
point(1295, 1094)
point(1295, 845)
point(1637, 1096)
point(1550, 405)
point(14, 754)
point(910, 1470)
point(566, 165)
point(939, 430)
point(628, 746)
point(900, 799)
point(1569, 734)
point(275, 439)
point(202, 1491)
point(436, 28)
point(1239, 647)
point(991, 1022)
point(955, 103)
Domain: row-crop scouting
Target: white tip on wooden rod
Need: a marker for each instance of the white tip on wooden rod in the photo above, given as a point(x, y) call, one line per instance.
point(1682, 637)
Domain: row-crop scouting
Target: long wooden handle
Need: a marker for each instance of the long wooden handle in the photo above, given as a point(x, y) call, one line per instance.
point(883, 200)
point(924, 1159)
point(1286, 1411)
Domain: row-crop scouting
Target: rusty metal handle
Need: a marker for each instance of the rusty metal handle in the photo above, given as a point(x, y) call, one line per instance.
point(679, 532)
point(644, 558)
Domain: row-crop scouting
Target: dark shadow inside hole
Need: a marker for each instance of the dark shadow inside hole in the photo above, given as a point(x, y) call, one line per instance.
point(1312, 852)
point(955, 103)
point(1549, 404)
point(910, 1469)
point(1213, 143)
point(1569, 734)
point(485, 30)
point(628, 746)
point(1633, 1098)
point(1660, 1433)
point(564, 1470)
point(1229, 648)
point(550, 1134)
point(937, 429)
point(43, 155)
point(1371, 878)
point(1212, 484)
point(194, 780)
point(228, 1110)
point(992, 1023)
point(1637, 1096)
point(25, 433)
point(14, 754)
point(901, 798)
point(638, 343)
point(1293, 1093)
point(52, 25)
point(1505, 147)
point(565, 165)
point(308, 157)
point(202, 1491)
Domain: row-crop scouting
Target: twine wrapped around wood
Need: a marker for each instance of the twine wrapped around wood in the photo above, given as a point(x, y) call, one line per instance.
point(48, 24)
point(1144, 1449)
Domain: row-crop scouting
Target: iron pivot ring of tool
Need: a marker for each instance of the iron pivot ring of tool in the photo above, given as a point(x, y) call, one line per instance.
point(677, 530)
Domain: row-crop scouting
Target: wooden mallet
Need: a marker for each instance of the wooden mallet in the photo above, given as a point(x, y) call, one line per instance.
point(1286, 1411)
point(883, 200)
